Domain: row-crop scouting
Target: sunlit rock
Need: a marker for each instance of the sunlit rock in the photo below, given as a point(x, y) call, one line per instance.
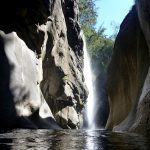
point(41, 64)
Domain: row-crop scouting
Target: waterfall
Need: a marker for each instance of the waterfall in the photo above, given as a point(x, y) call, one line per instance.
point(89, 82)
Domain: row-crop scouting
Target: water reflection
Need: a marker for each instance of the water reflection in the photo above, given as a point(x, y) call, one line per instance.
point(71, 140)
point(96, 140)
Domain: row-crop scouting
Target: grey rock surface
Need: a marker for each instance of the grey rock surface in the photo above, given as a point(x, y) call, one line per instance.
point(41, 77)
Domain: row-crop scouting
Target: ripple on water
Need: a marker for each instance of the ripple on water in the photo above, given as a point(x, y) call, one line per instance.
point(71, 140)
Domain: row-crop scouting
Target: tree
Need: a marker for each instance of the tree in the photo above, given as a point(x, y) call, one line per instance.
point(115, 27)
point(88, 13)
point(100, 49)
point(99, 46)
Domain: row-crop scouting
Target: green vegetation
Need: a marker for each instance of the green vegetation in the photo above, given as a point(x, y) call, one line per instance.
point(99, 46)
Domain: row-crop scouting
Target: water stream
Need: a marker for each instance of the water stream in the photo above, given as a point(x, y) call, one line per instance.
point(89, 82)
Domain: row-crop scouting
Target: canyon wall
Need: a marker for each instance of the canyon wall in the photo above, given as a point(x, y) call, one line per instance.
point(128, 73)
point(41, 61)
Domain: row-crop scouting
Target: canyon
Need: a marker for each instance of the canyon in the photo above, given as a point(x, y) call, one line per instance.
point(42, 85)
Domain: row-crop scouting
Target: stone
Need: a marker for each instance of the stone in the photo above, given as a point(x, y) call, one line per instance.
point(41, 69)
point(128, 74)
point(64, 79)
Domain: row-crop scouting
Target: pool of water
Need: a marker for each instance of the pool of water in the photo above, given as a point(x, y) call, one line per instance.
point(71, 140)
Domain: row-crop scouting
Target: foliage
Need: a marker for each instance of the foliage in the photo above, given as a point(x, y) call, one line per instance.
point(87, 13)
point(99, 46)
point(115, 28)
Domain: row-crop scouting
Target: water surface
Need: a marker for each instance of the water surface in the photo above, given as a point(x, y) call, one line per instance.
point(71, 140)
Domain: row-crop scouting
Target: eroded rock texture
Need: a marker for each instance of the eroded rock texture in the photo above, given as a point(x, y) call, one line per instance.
point(41, 61)
point(129, 73)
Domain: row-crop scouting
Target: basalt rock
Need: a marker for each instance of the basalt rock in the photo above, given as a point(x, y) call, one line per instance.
point(41, 55)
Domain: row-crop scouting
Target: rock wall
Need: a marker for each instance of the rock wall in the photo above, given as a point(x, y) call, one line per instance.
point(41, 79)
point(128, 74)
point(62, 83)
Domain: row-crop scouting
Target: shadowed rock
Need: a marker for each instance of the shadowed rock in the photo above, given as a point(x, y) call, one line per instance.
point(128, 73)
point(39, 69)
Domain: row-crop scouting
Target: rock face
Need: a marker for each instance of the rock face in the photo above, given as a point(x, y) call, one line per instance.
point(41, 79)
point(62, 83)
point(129, 76)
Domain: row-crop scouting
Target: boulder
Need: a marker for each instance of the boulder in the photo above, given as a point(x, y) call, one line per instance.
point(41, 67)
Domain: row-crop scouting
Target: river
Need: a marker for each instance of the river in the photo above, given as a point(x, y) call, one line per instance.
point(71, 140)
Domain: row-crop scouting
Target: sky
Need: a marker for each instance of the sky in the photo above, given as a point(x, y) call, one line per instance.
point(112, 11)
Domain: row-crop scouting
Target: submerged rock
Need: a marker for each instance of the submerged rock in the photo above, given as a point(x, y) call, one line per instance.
point(41, 79)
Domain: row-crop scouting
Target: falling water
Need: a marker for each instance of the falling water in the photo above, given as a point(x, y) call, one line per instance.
point(89, 83)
